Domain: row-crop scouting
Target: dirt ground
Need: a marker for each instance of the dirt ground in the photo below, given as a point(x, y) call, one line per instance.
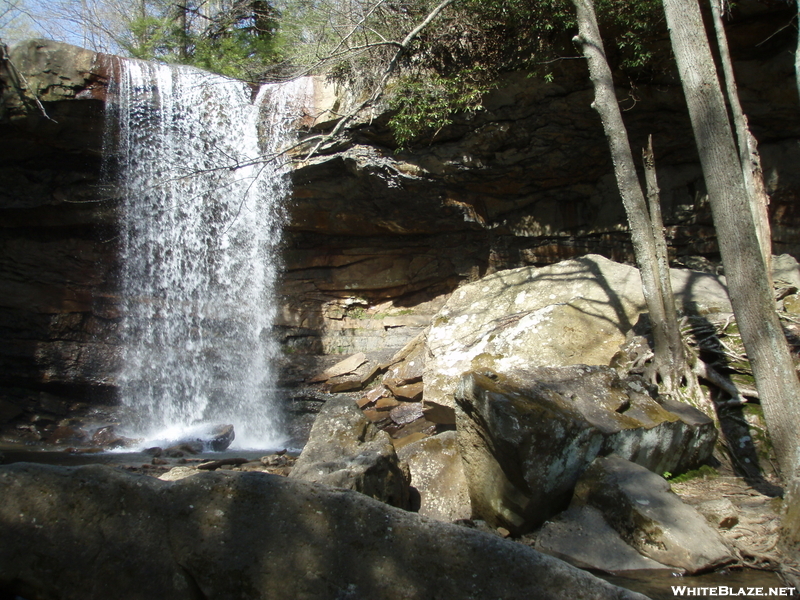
point(754, 537)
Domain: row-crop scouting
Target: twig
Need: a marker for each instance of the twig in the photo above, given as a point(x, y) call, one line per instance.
point(378, 91)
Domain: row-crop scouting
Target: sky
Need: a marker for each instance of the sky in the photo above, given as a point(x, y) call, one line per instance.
point(24, 19)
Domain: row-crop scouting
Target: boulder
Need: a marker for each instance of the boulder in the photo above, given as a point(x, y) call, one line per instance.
point(574, 312)
point(719, 512)
point(525, 437)
point(408, 365)
point(96, 532)
point(786, 269)
point(221, 437)
point(582, 537)
point(108, 437)
point(438, 477)
point(346, 450)
point(642, 508)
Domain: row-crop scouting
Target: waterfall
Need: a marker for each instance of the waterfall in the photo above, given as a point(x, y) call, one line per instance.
point(201, 223)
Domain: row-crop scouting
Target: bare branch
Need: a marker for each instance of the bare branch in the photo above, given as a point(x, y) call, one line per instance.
point(378, 90)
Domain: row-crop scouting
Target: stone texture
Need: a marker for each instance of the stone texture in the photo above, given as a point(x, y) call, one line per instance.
point(348, 365)
point(406, 413)
point(345, 450)
point(438, 477)
point(58, 316)
point(94, 533)
point(573, 312)
point(642, 508)
point(526, 436)
point(720, 513)
point(581, 537)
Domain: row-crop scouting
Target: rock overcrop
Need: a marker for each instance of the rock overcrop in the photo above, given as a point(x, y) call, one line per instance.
point(582, 537)
point(642, 508)
point(437, 477)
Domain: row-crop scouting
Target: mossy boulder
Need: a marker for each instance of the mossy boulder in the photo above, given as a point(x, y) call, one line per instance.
point(526, 436)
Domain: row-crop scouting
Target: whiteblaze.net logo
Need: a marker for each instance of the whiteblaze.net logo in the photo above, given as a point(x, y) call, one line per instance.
point(725, 591)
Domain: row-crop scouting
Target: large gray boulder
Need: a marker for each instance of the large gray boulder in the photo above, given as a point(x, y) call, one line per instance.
point(93, 533)
point(525, 437)
point(642, 508)
point(582, 537)
point(437, 475)
point(574, 312)
point(346, 450)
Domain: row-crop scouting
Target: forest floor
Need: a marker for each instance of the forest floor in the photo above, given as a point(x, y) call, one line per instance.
point(754, 537)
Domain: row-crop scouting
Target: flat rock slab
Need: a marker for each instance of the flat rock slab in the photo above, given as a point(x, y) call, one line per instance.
point(348, 365)
point(642, 508)
point(581, 537)
point(93, 533)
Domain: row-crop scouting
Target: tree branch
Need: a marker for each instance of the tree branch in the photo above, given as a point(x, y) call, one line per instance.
point(378, 91)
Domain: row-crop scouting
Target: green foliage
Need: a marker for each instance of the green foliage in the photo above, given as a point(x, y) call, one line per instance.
point(238, 41)
point(463, 53)
point(448, 68)
point(527, 33)
point(237, 55)
point(428, 104)
point(705, 471)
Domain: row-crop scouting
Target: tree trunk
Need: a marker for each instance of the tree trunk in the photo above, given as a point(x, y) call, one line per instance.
point(748, 283)
point(673, 333)
point(748, 148)
point(797, 53)
point(644, 247)
point(183, 25)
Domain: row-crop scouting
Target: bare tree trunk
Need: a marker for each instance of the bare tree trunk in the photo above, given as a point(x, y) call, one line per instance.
point(748, 148)
point(644, 247)
point(797, 53)
point(673, 333)
point(748, 284)
point(183, 23)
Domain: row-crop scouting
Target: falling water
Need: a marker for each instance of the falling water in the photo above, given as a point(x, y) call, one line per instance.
point(200, 228)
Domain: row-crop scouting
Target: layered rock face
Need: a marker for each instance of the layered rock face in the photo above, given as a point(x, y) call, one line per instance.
point(377, 240)
point(58, 317)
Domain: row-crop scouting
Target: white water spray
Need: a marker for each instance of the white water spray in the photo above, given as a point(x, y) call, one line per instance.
point(200, 228)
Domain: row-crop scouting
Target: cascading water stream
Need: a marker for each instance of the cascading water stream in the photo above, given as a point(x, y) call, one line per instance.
point(200, 227)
